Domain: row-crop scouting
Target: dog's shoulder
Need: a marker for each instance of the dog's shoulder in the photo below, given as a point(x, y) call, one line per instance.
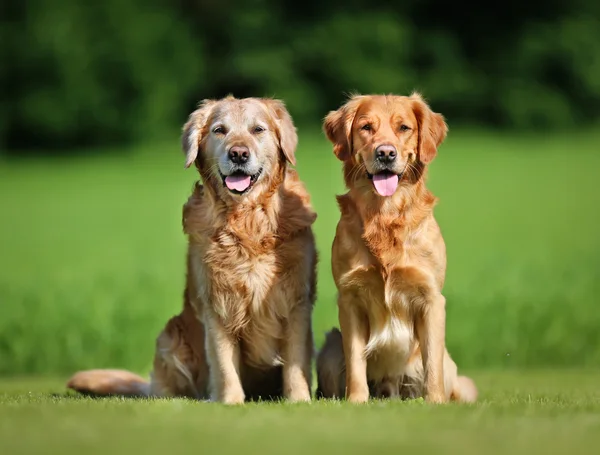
point(197, 212)
point(297, 212)
point(346, 205)
point(295, 187)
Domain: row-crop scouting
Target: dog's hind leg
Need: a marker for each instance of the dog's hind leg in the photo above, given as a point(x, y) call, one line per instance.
point(180, 368)
point(331, 371)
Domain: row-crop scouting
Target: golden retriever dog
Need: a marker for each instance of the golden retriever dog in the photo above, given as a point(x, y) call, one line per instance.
point(388, 258)
point(245, 329)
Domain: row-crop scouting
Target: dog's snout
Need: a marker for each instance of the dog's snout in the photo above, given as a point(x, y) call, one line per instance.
point(385, 153)
point(239, 154)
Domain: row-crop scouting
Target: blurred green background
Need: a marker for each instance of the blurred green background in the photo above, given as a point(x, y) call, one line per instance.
point(92, 179)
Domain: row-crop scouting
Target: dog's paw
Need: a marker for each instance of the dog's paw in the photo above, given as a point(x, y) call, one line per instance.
point(298, 396)
point(436, 398)
point(231, 397)
point(358, 397)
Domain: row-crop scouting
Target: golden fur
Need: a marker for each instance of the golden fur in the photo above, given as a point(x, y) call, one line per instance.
point(245, 329)
point(388, 260)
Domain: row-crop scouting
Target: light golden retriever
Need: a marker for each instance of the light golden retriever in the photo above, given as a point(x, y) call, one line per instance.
point(245, 329)
point(388, 258)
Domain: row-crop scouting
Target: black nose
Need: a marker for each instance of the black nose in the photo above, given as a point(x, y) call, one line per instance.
point(239, 154)
point(385, 153)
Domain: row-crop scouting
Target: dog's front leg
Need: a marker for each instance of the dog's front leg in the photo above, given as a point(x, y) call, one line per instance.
point(354, 337)
point(431, 331)
point(223, 353)
point(297, 354)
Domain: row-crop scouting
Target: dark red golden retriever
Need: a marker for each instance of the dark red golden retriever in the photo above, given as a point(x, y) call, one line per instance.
point(388, 258)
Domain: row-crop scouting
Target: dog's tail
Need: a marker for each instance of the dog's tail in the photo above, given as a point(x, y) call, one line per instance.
point(109, 383)
point(465, 390)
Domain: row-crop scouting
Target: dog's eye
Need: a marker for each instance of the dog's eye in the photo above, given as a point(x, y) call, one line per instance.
point(218, 130)
point(258, 129)
point(404, 128)
point(366, 127)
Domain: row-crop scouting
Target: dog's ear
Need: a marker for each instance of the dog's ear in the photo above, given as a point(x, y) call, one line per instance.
point(432, 129)
point(338, 128)
point(193, 130)
point(286, 131)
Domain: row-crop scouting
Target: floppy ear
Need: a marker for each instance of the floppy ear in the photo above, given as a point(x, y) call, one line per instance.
point(432, 129)
point(286, 131)
point(337, 127)
point(194, 129)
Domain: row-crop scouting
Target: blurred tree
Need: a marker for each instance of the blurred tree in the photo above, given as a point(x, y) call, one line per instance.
point(77, 73)
point(94, 73)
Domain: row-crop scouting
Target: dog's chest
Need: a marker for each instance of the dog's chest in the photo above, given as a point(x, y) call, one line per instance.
point(383, 287)
point(250, 297)
point(246, 292)
point(391, 328)
point(378, 276)
point(239, 278)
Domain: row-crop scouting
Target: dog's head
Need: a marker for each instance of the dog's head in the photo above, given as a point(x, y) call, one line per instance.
point(383, 138)
point(239, 144)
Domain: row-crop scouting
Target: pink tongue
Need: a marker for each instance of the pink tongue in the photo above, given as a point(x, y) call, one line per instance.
point(385, 183)
point(237, 182)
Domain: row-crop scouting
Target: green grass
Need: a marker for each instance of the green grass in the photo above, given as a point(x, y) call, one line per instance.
point(529, 413)
point(92, 253)
point(92, 263)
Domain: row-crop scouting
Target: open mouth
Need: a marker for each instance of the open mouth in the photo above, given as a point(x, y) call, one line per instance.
point(239, 182)
point(385, 182)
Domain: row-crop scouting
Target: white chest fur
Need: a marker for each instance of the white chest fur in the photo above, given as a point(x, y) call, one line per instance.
point(391, 334)
point(389, 348)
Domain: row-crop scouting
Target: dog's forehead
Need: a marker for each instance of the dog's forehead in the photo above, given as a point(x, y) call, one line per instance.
point(386, 106)
point(240, 111)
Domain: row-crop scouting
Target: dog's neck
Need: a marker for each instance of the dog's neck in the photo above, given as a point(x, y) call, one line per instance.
point(257, 223)
point(389, 220)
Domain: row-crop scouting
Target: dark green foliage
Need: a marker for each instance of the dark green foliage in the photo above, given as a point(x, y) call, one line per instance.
point(80, 73)
point(84, 73)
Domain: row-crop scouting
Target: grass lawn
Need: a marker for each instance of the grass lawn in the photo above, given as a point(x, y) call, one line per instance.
point(92, 251)
point(526, 412)
point(92, 265)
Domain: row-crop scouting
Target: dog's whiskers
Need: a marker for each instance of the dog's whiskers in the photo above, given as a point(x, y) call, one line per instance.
point(413, 171)
point(213, 170)
point(356, 171)
point(358, 168)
